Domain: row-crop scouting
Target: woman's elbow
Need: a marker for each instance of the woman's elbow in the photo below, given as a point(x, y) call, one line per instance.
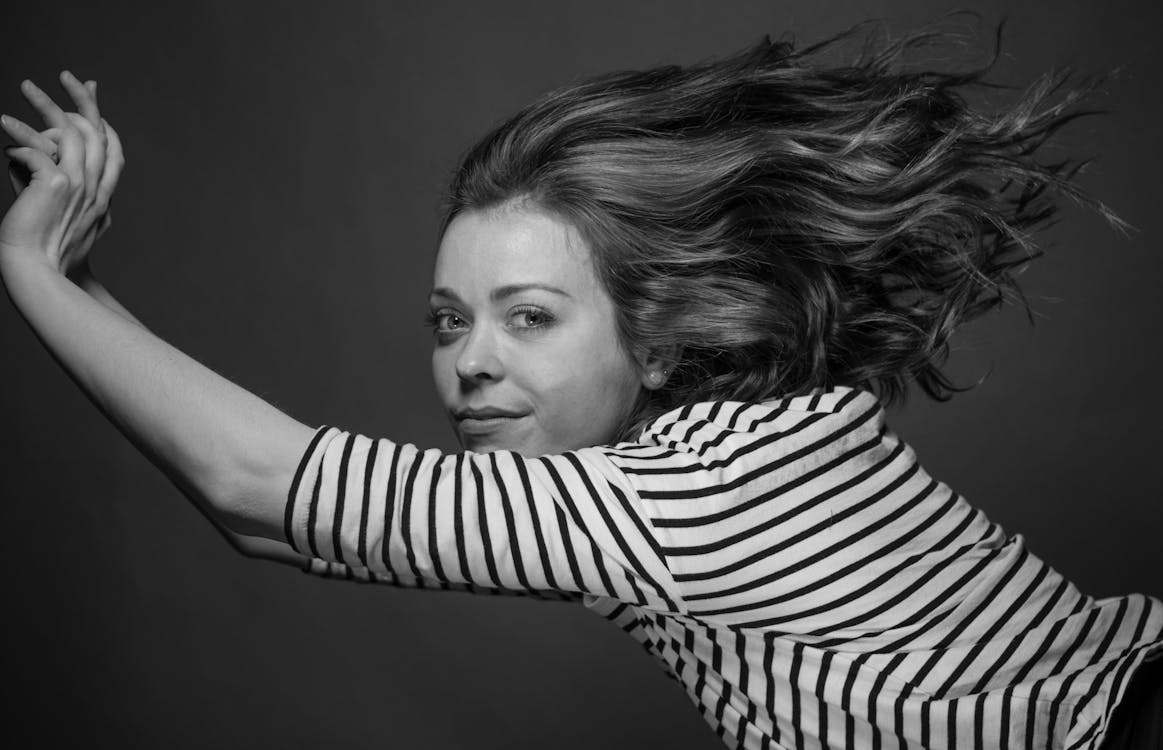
point(259, 548)
point(253, 499)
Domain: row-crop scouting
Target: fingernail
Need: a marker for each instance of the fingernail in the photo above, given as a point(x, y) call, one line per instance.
point(4, 120)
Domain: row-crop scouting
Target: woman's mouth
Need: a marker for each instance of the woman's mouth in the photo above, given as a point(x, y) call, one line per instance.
point(484, 425)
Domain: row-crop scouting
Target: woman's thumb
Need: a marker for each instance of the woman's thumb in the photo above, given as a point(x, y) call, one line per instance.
point(32, 160)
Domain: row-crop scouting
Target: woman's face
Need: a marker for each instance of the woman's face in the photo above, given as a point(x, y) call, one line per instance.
point(525, 354)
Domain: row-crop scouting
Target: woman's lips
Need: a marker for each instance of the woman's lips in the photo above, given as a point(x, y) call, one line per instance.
point(475, 426)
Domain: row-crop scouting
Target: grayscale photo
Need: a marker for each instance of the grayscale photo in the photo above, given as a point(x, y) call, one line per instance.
point(617, 375)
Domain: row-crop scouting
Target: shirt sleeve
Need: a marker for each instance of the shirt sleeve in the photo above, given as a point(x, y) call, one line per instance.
point(565, 526)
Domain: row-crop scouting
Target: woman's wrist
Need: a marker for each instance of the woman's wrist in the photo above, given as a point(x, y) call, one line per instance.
point(82, 276)
point(14, 260)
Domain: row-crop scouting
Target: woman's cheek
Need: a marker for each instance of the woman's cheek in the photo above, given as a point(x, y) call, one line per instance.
point(548, 371)
point(443, 372)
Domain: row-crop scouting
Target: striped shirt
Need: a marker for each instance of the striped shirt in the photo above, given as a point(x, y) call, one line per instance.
point(788, 563)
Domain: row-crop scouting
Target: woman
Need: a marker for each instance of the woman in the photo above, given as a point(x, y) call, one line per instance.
point(669, 308)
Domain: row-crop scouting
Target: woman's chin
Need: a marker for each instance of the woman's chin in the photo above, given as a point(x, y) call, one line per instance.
point(489, 444)
point(507, 435)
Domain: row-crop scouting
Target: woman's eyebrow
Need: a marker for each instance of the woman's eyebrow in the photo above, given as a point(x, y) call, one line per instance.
point(510, 289)
point(443, 291)
point(501, 292)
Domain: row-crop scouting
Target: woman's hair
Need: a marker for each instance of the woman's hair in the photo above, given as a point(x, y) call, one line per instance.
point(785, 224)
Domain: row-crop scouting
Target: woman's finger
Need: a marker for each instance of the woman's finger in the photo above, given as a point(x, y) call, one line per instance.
point(37, 162)
point(72, 156)
point(96, 143)
point(53, 115)
point(114, 163)
point(104, 222)
point(83, 97)
point(88, 121)
point(25, 135)
point(92, 86)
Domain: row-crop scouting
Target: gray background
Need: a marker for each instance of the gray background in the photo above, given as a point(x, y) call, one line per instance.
point(277, 221)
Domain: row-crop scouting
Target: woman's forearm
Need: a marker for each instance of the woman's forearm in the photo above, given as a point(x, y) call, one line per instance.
point(213, 439)
point(256, 547)
point(95, 289)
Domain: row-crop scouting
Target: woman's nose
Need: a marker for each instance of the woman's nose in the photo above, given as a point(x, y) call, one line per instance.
point(479, 359)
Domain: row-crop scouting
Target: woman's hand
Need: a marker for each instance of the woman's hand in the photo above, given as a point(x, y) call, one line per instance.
point(62, 203)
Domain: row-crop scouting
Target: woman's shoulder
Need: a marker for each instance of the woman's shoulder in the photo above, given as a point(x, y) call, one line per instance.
point(831, 406)
point(716, 447)
point(720, 431)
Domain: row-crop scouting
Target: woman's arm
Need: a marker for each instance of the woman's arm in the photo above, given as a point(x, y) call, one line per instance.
point(226, 449)
point(250, 546)
point(560, 526)
point(203, 432)
point(83, 277)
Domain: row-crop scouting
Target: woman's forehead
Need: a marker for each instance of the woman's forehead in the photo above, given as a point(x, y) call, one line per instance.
point(482, 251)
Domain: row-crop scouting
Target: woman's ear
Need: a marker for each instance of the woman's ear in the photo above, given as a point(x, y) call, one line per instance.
point(656, 367)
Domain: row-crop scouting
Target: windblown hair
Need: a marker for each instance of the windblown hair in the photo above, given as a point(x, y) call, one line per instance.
point(782, 223)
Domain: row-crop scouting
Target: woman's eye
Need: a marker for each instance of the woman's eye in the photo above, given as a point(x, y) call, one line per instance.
point(451, 322)
point(445, 322)
point(531, 317)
